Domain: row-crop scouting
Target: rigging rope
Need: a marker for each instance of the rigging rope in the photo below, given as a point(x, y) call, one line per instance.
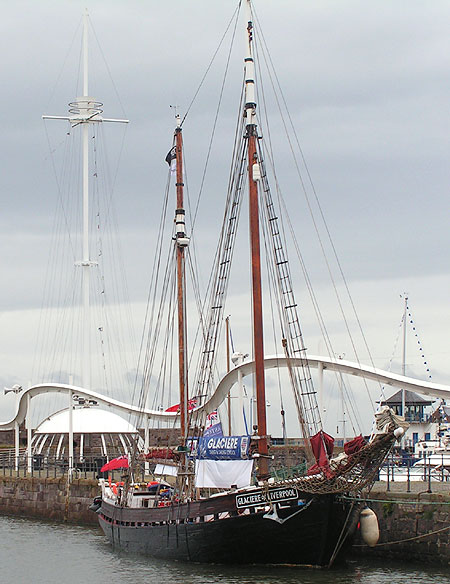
point(313, 298)
point(322, 215)
point(214, 123)
point(419, 343)
point(151, 301)
point(52, 93)
point(107, 68)
point(235, 16)
point(414, 538)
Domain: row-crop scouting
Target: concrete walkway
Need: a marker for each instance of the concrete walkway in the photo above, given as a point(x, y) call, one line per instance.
point(414, 487)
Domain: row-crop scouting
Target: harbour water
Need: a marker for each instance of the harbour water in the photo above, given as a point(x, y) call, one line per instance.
point(35, 552)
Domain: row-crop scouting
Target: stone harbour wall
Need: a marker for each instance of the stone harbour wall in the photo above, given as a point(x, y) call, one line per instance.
point(49, 498)
point(413, 527)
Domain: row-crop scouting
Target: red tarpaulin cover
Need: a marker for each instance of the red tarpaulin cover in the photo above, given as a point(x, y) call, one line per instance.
point(166, 453)
point(176, 408)
point(322, 446)
point(354, 445)
point(121, 462)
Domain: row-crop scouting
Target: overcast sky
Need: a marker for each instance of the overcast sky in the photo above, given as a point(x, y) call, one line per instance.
point(368, 88)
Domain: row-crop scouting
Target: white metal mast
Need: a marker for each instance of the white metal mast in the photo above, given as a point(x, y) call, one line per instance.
point(85, 262)
point(83, 111)
point(404, 353)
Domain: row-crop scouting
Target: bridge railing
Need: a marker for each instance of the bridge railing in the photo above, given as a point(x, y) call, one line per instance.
point(52, 467)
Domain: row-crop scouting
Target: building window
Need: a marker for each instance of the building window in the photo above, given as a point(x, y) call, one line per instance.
point(427, 436)
point(415, 437)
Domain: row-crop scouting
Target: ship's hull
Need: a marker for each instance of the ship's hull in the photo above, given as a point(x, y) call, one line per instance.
point(314, 531)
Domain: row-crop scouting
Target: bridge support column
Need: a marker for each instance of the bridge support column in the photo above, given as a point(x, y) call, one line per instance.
point(28, 425)
point(71, 465)
point(16, 446)
point(320, 389)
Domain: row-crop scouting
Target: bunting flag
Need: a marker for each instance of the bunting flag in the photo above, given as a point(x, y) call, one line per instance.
point(213, 427)
point(171, 159)
point(420, 347)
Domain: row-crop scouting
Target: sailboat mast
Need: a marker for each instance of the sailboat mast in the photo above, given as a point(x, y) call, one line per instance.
point(182, 242)
point(404, 352)
point(253, 177)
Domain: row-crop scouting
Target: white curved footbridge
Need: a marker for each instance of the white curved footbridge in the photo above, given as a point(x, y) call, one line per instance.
point(231, 378)
point(437, 390)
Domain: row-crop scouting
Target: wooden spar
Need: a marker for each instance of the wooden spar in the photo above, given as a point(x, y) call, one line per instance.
point(181, 286)
point(258, 341)
point(253, 176)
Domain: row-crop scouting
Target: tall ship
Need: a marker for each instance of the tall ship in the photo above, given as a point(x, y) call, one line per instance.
point(219, 501)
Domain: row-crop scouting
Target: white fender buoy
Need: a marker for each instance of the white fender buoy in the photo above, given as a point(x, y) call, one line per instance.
point(370, 531)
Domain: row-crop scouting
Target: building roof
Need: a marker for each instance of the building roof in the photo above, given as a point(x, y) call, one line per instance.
point(411, 399)
point(86, 420)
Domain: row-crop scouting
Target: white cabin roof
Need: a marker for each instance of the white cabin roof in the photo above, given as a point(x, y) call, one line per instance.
point(86, 420)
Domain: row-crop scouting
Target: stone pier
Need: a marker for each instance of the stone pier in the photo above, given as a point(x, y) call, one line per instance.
point(49, 498)
point(413, 525)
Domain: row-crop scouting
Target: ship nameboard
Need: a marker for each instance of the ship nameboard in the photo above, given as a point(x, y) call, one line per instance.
point(256, 498)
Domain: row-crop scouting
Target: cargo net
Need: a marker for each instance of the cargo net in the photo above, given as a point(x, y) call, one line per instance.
point(353, 472)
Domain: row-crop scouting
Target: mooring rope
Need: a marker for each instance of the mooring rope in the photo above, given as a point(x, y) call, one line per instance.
point(398, 501)
point(407, 539)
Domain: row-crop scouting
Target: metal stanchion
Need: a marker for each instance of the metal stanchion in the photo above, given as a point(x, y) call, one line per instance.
point(429, 476)
point(408, 466)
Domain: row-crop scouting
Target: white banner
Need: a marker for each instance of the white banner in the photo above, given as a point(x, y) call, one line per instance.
point(166, 469)
point(222, 474)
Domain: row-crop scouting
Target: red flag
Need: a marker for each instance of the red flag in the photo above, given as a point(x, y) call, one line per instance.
point(121, 462)
point(176, 408)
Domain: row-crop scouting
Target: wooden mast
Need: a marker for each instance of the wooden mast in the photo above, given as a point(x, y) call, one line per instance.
point(253, 177)
point(182, 242)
